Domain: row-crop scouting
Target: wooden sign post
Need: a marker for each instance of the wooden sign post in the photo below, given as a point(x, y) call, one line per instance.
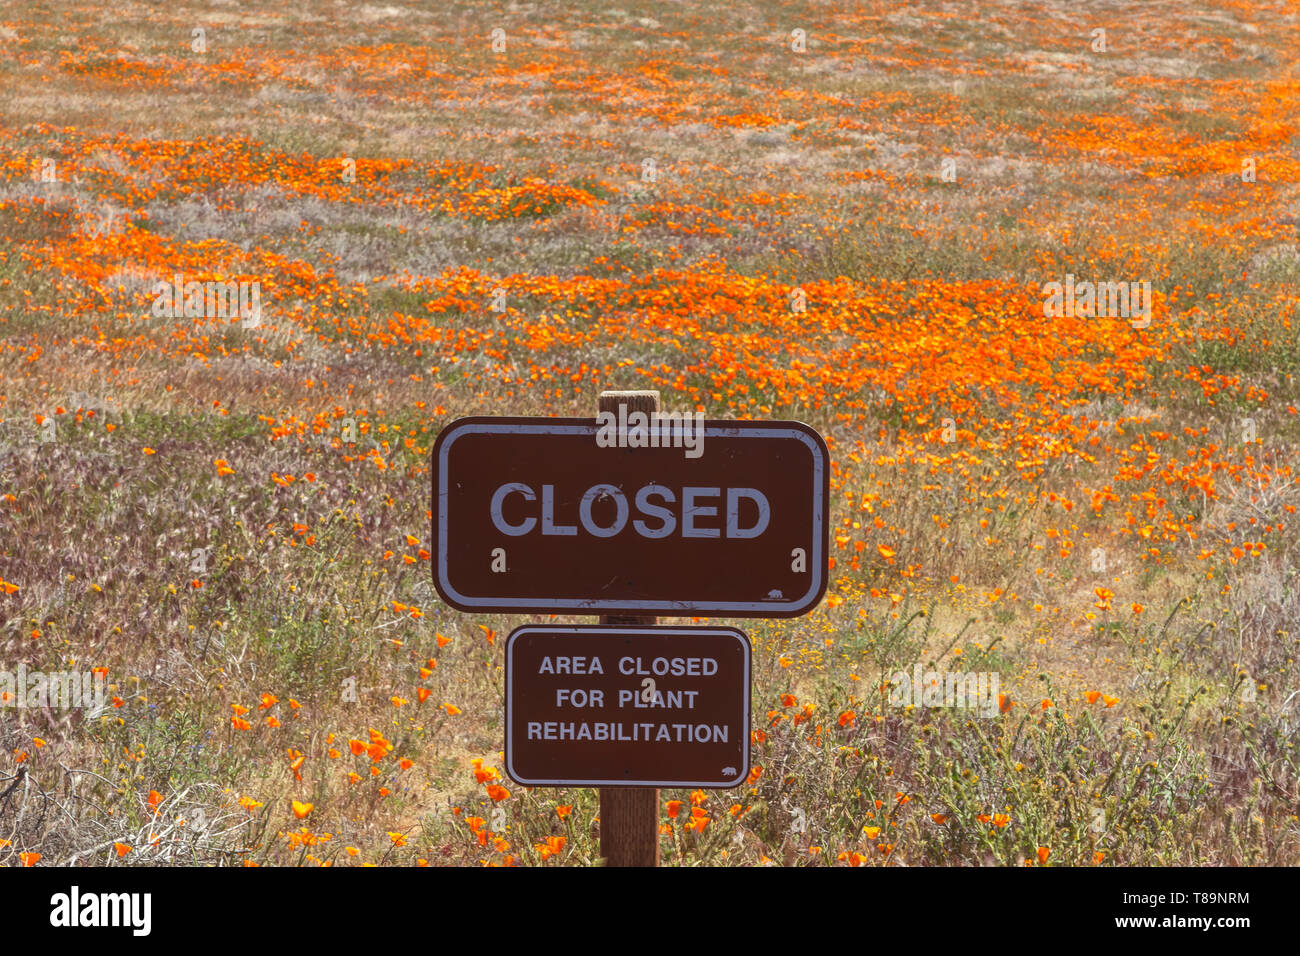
point(629, 816)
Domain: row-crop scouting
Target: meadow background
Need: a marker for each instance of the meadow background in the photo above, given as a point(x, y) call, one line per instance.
point(232, 523)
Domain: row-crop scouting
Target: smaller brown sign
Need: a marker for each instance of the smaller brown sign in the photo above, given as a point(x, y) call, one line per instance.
point(596, 706)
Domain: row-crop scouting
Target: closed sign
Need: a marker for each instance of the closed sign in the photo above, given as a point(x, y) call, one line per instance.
point(536, 515)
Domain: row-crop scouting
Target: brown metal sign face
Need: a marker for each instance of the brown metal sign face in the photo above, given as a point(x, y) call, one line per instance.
point(718, 518)
point(595, 706)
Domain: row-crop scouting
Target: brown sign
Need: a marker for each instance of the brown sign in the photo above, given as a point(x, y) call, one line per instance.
point(595, 706)
point(588, 516)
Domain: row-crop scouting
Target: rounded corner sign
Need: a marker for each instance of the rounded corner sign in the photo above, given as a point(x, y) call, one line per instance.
point(601, 706)
point(580, 516)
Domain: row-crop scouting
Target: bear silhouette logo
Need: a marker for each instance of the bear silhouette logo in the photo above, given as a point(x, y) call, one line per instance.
point(774, 595)
point(728, 771)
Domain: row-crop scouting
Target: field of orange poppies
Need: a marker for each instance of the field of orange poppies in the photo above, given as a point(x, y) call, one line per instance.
point(877, 218)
